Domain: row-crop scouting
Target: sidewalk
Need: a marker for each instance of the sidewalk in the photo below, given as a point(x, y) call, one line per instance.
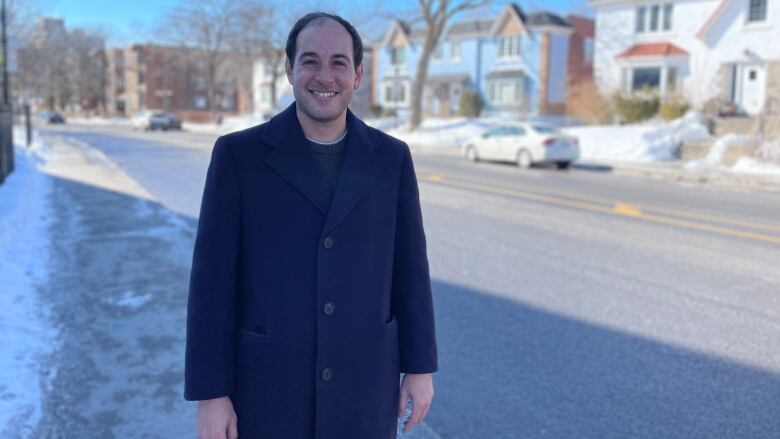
point(92, 332)
point(101, 297)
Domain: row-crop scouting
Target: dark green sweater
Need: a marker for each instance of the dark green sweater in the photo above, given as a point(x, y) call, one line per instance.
point(328, 158)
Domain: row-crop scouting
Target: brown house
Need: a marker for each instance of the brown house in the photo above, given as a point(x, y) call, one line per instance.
point(580, 61)
point(167, 78)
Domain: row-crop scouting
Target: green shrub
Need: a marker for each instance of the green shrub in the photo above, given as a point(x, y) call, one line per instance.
point(673, 109)
point(470, 104)
point(637, 107)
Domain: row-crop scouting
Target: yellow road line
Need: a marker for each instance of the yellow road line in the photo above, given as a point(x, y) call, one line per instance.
point(659, 209)
point(622, 209)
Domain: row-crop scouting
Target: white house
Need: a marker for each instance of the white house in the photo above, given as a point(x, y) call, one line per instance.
point(698, 49)
point(262, 79)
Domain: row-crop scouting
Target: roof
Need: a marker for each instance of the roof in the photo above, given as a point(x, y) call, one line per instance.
point(702, 32)
point(483, 26)
point(452, 78)
point(505, 74)
point(652, 49)
point(545, 19)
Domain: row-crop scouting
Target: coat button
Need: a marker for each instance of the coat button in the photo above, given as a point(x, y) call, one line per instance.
point(329, 308)
point(328, 242)
point(327, 374)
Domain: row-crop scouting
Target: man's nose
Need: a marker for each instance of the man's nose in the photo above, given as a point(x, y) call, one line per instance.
point(326, 75)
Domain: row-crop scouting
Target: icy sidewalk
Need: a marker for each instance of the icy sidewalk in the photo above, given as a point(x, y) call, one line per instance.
point(93, 327)
point(26, 338)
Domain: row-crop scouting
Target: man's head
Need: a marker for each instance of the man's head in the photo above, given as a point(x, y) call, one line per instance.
point(324, 56)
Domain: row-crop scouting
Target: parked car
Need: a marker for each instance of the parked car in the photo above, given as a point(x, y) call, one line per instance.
point(156, 120)
point(51, 117)
point(524, 144)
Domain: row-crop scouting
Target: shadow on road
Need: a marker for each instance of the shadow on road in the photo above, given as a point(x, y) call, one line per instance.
point(508, 370)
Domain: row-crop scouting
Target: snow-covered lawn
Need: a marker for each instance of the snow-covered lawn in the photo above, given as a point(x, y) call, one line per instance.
point(25, 336)
point(649, 142)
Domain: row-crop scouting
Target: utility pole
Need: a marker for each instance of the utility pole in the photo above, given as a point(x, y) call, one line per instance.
point(6, 95)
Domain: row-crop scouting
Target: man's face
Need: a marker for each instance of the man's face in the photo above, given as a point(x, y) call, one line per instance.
point(323, 73)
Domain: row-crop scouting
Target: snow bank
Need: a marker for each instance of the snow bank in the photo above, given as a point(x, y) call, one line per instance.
point(25, 336)
point(639, 142)
point(229, 124)
point(442, 133)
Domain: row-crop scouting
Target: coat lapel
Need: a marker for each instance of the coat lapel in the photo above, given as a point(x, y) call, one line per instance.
point(361, 166)
point(292, 159)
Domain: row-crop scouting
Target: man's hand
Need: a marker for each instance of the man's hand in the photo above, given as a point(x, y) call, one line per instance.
point(217, 419)
point(418, 387)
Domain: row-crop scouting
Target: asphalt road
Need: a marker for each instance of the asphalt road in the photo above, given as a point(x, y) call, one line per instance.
point(574, 304)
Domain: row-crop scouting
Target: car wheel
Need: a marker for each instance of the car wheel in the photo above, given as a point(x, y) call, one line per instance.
point(524, 160)
point(563, 165)
point(471, 154)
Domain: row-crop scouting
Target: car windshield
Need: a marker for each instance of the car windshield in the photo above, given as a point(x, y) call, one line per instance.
point(545, 129)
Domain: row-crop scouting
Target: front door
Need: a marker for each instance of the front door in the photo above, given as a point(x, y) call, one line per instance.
point(753, 81)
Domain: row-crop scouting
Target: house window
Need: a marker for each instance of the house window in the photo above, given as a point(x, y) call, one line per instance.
point(199, 102)
point(646, 77)
point(505, 92)
point(396, 55)
point(757, 10)
point(641, 12)
point(587, 50)
point(509, 46)
point(668, 16)
point(265, 96)
point(655, 12)
point(438, 53)
point(654, 18)
point(395, 94)
point(455, 49)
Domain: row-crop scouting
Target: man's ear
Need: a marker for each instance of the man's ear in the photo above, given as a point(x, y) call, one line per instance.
point(288, 69)
point(358, 75)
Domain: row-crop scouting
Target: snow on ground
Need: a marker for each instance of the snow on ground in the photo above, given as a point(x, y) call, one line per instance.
point(123, 121)
point(438, 133)
point(646, 142)
point(766, 160)
point(25, 336)
point(229, 124)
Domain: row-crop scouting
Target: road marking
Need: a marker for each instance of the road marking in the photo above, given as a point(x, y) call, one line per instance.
point(659, 209)
point(627, 209)
point(622, 209)
point(435, 177)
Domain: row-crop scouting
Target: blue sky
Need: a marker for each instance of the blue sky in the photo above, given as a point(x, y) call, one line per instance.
point(128, 22)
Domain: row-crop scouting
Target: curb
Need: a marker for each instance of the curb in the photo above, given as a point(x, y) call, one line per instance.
point(672, 172)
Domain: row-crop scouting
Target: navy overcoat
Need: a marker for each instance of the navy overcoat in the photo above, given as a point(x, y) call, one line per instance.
point(304, 311)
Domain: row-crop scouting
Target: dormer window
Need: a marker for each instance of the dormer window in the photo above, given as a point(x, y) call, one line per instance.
point(655, 17)
point(509, 46)
point(396, 56)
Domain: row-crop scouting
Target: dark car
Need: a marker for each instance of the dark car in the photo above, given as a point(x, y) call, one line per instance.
point(164, 121)
point(51, 117)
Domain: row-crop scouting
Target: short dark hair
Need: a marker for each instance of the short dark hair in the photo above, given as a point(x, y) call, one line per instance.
point(357, 43)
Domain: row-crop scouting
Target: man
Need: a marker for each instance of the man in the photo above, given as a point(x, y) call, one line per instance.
point(310, 290)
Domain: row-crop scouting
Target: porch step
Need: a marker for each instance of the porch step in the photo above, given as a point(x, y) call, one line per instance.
point(743, 125)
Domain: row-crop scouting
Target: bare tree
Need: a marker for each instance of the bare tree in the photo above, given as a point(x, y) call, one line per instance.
point(436, 14)
point(206, 26)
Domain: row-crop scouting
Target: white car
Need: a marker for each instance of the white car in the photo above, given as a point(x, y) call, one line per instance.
point(524, 144)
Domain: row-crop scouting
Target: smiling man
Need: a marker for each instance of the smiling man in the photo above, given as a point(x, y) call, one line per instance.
point(310, 292)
